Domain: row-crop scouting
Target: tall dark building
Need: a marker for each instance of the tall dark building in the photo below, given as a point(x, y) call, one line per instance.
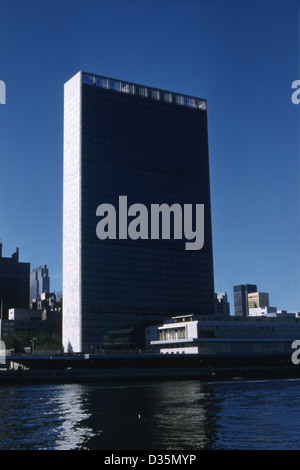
point(132, 153)
point(14, 283)
point(241, 298)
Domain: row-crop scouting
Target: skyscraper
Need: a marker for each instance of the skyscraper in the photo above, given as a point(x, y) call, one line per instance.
point(258, 299)
point(222, 306)
point(39, 282)
point(241, 298)
point(129, 149)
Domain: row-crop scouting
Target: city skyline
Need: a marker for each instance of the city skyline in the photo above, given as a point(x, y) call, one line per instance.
point(227, 53)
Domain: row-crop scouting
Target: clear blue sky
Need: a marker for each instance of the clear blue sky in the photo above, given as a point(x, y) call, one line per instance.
point(242, 56)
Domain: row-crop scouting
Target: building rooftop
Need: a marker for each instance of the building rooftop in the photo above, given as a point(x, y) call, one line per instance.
point(14, 257)
point(215, 318)
point(144, 91)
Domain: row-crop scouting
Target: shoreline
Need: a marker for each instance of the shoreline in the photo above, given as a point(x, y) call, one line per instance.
point(65, 376)
point(60, 369)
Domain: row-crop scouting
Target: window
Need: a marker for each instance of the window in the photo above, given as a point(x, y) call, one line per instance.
point(103, 82)
point(179, 99)
point(155, 94)
point(143, 91)
point(114, 85)
point(168, 97)
point(125, 87)
point(190, 102)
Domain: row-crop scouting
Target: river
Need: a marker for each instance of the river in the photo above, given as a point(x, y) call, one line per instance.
point(161, 415)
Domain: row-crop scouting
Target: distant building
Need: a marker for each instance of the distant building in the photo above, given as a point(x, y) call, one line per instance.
point(258, 299)
point(21, 321)
point(18, 327)
point(271, 312)
point(222, 306)
point(24, 314)
point(223, 335)
point(241, 298)
point(44, 314)
point(47, 301)
point(51, 307)
point(39, 281)
point(259, 311)
point(14, 283)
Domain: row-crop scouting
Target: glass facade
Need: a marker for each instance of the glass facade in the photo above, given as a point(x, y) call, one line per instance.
point(151, 146)
point(241, 298)
point(39, 282)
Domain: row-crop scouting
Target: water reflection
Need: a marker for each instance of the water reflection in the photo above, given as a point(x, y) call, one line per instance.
point(163, 415)
point(149, 416)
point(183, 415)
point(35, 418)
point(70, 406)
point(177, 416)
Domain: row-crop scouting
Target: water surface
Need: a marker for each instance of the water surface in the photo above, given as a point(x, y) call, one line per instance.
point(172, 415)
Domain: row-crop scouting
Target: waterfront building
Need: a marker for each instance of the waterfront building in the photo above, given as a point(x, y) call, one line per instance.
point(14, 328)
point(39, 282)
point(14, 283)
point(258, 299)
point(224, 335)
point(241, 298)
point(21, 322)
point(131, 144)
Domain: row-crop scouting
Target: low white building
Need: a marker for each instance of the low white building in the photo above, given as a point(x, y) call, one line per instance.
point(259, 334)
point(258, 311)
point(271, 312)
point(177, 337)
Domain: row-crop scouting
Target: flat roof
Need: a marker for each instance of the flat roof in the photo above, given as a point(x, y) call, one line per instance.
point(144, 91)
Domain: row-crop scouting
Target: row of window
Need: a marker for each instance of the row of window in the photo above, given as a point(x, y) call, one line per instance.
point(229, 348)
point(145, 92)
point(171, 335)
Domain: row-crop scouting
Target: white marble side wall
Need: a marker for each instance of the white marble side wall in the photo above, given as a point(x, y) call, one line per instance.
point(72, 334)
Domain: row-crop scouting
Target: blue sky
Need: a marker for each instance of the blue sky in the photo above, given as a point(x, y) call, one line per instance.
point(242, 56)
